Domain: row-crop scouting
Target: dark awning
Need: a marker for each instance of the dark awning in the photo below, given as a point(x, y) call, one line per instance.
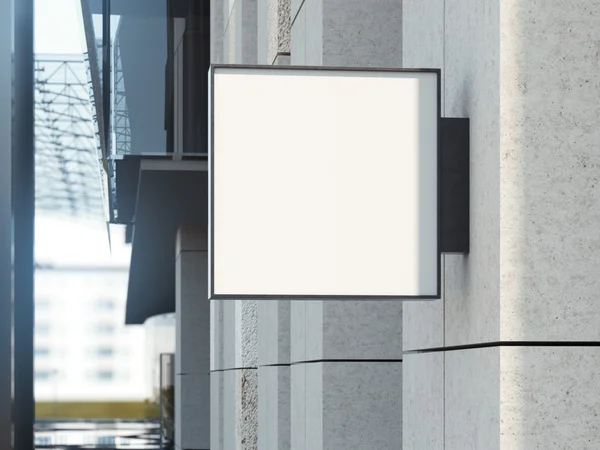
point(169, 193)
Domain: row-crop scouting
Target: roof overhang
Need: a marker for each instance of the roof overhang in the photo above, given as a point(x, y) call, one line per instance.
point(169, 193)
point(140, 8)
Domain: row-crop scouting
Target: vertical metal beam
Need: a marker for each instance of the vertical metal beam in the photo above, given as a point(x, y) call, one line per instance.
point(6, 281)
point(106, 84)
point(24, 211)
point(196, 64)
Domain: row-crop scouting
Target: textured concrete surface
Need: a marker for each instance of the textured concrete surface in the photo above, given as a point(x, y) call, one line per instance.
point(274, 27)
point(274, 382)
point(238, 405)
point(550, 397)
point(298, 330)
point(192, 356)
point(298, 407)
point(216, 410)
point(246, 329)
point(339, 405)
point(282, 60)
point(274, 408)
point(298, 39)
point(217, 25)
point(349, 405)
point(346, 33)
point(550, 203)
point(472, 294)
point(241, 33)
point(423, 47)
point(295, 8)
point(472, 398)
point(355, 35)
point(240, 334)
point(527, 397)
point(216, 335)
point(313, 13)
point(423, 401)
point(346, 330)
point(274, 332)
point(240, 409)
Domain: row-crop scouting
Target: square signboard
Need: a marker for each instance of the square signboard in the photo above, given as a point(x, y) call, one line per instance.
point(324, 183)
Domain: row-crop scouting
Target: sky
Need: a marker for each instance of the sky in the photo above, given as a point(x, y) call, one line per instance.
point(59, 30)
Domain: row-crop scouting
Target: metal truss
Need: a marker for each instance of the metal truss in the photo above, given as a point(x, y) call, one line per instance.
point(68, 172)
point(121, 114)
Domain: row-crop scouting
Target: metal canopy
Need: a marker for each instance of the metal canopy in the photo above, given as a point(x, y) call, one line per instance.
point(169, 193)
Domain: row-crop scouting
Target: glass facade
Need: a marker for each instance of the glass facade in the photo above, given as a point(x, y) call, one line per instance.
point(153, 59)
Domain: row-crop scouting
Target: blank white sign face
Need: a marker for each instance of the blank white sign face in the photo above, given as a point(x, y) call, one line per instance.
point(324, 183)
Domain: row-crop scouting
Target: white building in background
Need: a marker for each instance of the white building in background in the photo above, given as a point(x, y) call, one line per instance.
point(83, 350)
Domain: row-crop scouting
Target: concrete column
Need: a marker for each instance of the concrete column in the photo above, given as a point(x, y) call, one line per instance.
point(522, 307)
point(274, 27)
point(274, 375)
point(192, 356)
point(346, 382)
point(346, 375)
point(234, 325)
point(234, 375)
point(240, 33)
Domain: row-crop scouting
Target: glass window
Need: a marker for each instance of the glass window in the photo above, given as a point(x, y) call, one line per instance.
point(43, 440)
point(42, 351)
point(106, 440)
point(42, 328)
point(42, 375)
point(104, 304)
point(105, 375)
point(104, 351)
point(42, 304)
point(105, 329)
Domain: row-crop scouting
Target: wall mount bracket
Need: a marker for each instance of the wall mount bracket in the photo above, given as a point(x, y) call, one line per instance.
point(454, 186)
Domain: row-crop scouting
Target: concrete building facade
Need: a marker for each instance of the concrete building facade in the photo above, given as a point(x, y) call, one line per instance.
point(506, 359)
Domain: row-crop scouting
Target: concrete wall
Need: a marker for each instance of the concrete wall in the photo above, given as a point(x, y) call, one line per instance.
point(526, 74)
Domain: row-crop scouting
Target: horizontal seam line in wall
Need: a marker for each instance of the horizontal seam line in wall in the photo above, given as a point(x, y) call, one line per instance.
point(293, 21)
point(505, 344)
point(233, 368)
point(316, 361)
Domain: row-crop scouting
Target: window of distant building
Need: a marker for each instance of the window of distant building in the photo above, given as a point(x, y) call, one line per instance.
point(104, 375)
point(106, 440)
point(43, 440)
point(42, 328)
point(104, 351)
point(43, 375)
point(105, 304)
point(42, 304)
point(105, 329)
point(42, 351)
